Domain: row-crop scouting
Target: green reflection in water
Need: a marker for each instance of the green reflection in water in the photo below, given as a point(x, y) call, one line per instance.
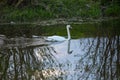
point(78, 30)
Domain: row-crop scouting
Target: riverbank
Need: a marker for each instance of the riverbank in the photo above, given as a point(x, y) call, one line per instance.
point(61, 21)
point(58, 11)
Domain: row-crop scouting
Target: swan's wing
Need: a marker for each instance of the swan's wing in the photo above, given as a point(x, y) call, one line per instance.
point(56, 38)
point(49, 39)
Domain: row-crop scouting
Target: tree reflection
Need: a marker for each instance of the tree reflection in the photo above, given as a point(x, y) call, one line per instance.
point(29, 63)
point(101, 60)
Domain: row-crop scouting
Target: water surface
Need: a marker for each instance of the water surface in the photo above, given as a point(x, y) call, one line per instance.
point(93, 53)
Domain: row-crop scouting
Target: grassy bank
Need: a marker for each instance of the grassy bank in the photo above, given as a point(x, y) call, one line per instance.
point(56, 9)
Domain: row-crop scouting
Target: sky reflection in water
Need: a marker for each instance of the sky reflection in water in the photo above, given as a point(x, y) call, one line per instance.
point(77, 59)
point(86, 58)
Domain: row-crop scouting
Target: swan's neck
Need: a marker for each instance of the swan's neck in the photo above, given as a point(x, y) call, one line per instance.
point(68, 32)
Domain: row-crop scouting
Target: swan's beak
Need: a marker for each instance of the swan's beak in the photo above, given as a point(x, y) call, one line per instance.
point(69, 26)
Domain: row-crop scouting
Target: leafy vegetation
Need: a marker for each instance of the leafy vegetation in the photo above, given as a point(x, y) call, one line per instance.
point(113, 10)
point(30, 10)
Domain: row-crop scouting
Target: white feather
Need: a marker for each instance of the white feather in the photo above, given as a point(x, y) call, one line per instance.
point(59, 38)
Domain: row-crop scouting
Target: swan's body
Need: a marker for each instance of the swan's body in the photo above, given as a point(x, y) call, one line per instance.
point(60, 38)
point(56, 38)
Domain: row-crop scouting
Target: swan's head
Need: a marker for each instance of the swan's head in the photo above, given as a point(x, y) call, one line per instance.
point(68, 26)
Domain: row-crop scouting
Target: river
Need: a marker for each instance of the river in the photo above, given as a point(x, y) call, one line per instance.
point(92, 53)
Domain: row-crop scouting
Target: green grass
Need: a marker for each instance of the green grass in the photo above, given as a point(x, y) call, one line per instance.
point(53, 9)
point(27, 14)
point(57, 9)
point(113, 10)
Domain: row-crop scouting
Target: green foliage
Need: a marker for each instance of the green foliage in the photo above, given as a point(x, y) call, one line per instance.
point(26, 14)
point(94, 11)
point(49, 9)
point(113, 10)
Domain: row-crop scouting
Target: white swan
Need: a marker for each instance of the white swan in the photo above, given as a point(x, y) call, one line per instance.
point(60, 38)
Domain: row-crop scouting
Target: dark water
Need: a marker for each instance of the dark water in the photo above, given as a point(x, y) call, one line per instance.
point(93, 53)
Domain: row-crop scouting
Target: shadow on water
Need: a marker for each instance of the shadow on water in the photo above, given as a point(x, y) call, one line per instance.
point(30, 63)
point(86, 58)
point(101, 60)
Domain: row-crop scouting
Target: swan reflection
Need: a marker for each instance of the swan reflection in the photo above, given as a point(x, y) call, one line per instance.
point(69, 51)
